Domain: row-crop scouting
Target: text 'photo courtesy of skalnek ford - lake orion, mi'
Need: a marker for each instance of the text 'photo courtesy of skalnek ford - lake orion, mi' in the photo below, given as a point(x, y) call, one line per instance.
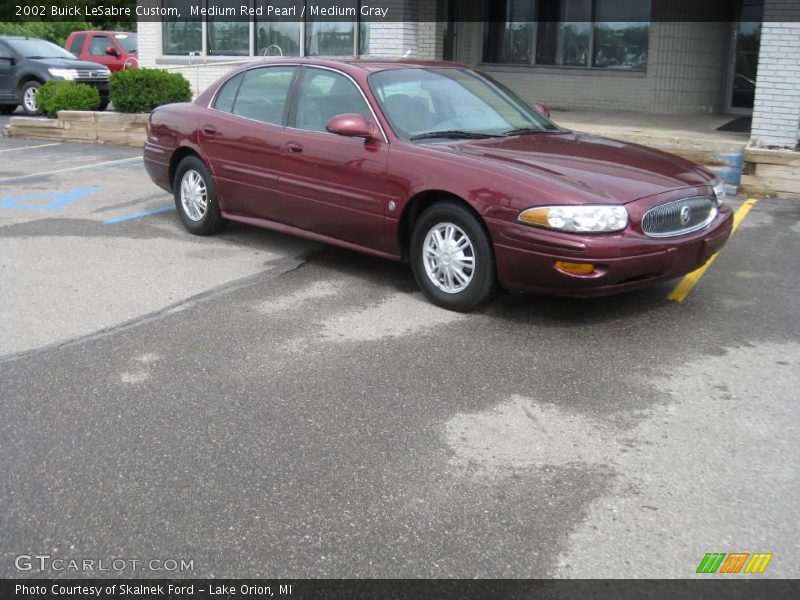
point(437, 299)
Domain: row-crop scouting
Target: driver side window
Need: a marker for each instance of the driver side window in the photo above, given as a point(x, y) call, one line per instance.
point(325, 94)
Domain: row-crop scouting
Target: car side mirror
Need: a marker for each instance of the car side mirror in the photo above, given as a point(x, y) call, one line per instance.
point(111, 51)
point(351, 125)
point(542, 109)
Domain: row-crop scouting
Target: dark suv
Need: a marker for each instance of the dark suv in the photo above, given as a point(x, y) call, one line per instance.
point(26, 63)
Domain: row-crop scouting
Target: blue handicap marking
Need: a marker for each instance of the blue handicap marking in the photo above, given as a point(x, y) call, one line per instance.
point(54, 201)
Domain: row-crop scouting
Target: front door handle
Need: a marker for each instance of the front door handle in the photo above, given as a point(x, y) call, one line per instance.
point(294, 147)
point(209, 130)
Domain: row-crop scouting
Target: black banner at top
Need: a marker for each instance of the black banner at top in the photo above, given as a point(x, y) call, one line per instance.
point(393, 11)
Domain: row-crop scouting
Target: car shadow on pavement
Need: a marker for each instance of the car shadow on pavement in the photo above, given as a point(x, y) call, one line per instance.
point(512, 306)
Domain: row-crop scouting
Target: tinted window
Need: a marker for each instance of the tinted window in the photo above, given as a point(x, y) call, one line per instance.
point(31, 48)
point(262, 94)
point(227, 94)
point(128, 41)
point(99, 45)
point(77, 44)
point(325, 94)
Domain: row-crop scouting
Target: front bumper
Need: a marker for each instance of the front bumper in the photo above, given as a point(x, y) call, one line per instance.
point(629, 260)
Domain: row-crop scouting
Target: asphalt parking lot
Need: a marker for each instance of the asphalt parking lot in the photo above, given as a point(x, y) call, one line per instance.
point(269, 407)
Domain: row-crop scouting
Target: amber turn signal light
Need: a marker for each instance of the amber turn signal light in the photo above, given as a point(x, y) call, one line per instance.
point(574, 268)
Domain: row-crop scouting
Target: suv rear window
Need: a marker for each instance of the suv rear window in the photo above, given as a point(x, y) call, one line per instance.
point(77, 44)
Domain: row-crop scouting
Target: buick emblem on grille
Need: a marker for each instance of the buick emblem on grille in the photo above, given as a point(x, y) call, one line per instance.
point(686, 214)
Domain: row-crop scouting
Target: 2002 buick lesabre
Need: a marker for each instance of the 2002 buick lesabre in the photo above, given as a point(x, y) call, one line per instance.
point(437, 164)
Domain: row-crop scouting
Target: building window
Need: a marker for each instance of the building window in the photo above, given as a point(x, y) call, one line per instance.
point(181, 36)
point(568, 33)
point(227, 38)
point(219, 36)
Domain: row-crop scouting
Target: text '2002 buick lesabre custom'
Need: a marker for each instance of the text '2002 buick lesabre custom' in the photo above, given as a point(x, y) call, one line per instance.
point(439, 165)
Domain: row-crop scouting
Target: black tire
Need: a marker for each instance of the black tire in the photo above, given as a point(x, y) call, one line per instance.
point(7, 109)
point(31, 87)
point(479, 281)
point(103, 105)
point(210, 221)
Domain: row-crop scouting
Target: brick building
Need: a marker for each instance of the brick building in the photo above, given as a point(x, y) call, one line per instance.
point(738, 57)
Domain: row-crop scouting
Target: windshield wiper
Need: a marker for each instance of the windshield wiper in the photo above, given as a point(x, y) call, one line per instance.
point(523, 131)
point(452, 133)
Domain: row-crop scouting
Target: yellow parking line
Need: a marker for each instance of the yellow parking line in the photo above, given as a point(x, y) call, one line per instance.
point(29, 147)
point(686, 284)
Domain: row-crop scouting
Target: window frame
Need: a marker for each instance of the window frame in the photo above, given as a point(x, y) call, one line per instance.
point(290, 95)
point(252, 21)
point(534, 39)
point(298, 84)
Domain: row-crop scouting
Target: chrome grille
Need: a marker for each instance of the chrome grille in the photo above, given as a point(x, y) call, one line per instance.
point(93, 74)
point(679, 217)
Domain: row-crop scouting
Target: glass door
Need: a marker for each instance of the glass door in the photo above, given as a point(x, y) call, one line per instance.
point(743, 67)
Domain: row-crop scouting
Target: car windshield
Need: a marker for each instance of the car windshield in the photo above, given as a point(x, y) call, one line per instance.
point(30, 48)
point(128, 41)
point(452, 103)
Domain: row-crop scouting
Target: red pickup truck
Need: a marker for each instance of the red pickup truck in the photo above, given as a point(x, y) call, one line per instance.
point(114, 49)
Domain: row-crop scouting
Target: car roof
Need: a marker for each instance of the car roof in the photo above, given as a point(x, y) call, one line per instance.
point(366, 64)
point(103, 31)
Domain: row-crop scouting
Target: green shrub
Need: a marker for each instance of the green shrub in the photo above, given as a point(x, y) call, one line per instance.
point(53, 31)
point(54, 96)
point(141, 90)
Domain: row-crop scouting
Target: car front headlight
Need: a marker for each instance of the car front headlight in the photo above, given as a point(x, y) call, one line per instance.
point(69, 74)
point(719, 192)
point(578, 219)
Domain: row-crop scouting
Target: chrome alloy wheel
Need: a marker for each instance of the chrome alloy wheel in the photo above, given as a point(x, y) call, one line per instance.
point(194, 195)
point(449, 258)
point(29, 99)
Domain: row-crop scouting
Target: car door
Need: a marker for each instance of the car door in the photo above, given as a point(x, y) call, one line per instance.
point(336, 185)
point(242, 137)
point(7, 67)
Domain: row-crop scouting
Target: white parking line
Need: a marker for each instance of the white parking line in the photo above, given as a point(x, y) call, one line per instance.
point(30, 147)
point(80, 168)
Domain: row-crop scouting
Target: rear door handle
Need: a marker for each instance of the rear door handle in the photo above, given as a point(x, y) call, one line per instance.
point(294, 147)
point(209, 129)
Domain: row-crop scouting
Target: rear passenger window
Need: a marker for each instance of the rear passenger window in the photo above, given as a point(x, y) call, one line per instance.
point(227, 94)
point(262, 94)
point(77, 44)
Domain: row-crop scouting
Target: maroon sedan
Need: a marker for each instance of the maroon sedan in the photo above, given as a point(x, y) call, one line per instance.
point(439, 165)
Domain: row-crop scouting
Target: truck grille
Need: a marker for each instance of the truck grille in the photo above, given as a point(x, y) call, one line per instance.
point(92, 74)
point(679, 217)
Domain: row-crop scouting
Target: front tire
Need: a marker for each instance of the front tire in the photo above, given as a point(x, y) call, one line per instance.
point(452, 258)
point(28, 95)
point(196, 198)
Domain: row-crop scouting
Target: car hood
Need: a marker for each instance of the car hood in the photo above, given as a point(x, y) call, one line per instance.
point(69, 63)
point(609, 170)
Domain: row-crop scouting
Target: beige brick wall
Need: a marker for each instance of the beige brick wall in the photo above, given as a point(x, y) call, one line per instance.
point(776, 114)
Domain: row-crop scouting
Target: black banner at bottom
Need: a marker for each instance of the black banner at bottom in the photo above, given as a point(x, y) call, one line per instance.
point(435, 589)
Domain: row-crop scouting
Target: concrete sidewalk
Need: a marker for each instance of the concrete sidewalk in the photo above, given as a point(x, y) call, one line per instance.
point(692, 136)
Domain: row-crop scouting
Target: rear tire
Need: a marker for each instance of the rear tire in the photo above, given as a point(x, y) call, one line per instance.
point(196, 198)
point(452, 257)
point(28, 97)
point(103, 105)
